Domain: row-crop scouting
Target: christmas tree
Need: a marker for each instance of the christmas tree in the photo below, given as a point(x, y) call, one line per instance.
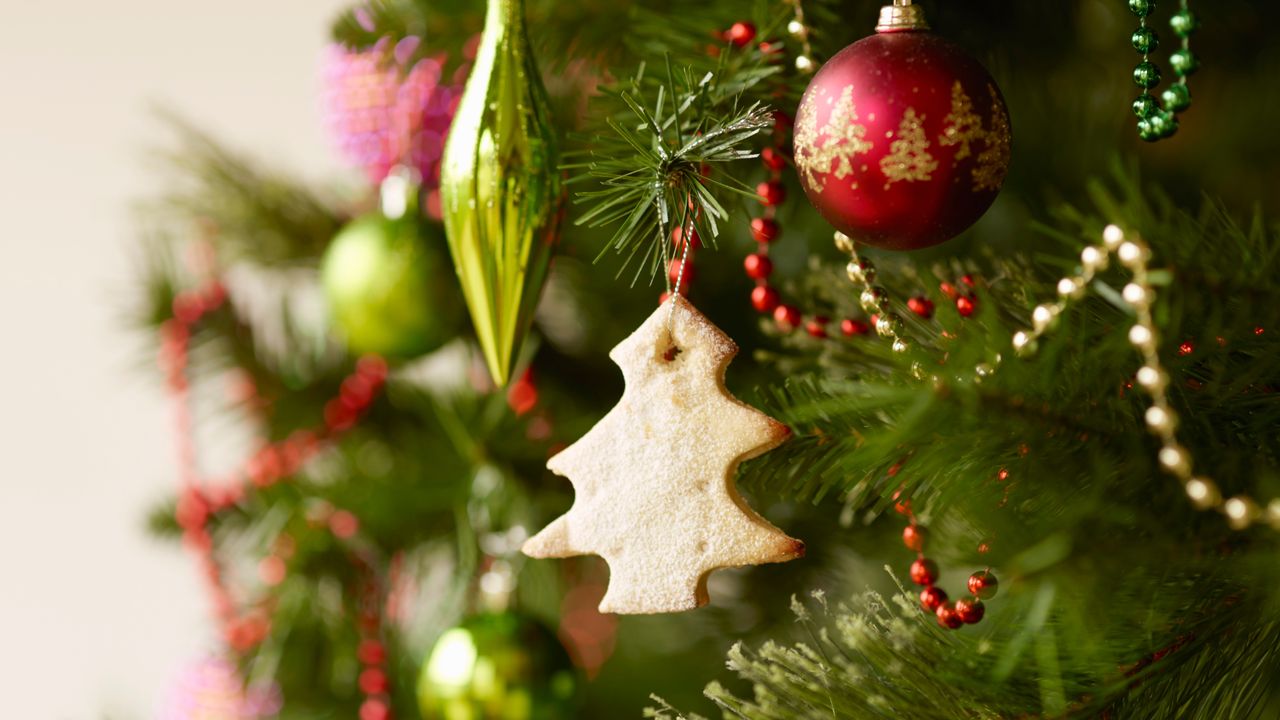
point(999, 439)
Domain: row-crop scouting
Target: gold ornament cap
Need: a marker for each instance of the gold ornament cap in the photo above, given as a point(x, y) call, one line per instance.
point(901, 16)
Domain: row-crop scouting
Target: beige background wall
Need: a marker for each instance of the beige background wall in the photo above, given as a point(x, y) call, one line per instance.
point(96, 618)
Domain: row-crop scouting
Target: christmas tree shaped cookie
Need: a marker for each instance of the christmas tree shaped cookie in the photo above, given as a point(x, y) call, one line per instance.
point(653, 480)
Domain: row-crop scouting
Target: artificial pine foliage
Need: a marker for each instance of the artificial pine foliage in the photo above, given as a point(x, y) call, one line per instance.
point(1117, 598)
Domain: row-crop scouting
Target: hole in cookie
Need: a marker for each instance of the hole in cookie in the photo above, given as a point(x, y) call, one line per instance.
point(667, 348)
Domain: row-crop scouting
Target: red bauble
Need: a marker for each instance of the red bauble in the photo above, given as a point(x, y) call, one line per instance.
point(764, 230)
point(902, 140)
point(771, 192)
point(983, 584)
point(970, 610)
point(921, 306)
point(931, 597)
point(948, 617)
point(758, 266)
point(788, 316)
point(924, 571)
point(764, 298)
point(913, 537)
point(817, 327)
point(851, 327)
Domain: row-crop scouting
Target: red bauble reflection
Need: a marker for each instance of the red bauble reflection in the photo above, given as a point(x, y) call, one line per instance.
point(902, 140)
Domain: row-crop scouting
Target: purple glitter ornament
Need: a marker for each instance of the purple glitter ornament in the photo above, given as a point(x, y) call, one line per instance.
point(383, 114)
point(212, 689)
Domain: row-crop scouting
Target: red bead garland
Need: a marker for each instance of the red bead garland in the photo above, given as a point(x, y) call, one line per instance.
point(199, 501)
point(933, 599)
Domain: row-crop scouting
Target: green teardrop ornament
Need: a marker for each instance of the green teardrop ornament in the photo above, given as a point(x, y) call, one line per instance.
point(500, 188)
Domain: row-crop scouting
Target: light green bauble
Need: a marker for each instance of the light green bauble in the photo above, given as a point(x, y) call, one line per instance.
point(389, 286)
point(498, 666)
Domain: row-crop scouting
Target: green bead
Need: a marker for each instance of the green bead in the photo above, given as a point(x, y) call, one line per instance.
point(1142, 8)
point(1184, 23)
point(1164, 124)
point(1145, 40)
point(1146, 131)
point(502, 666)
point(1144, 106)
point(1146, 75)
point(1176, 98)
point(1184, 62)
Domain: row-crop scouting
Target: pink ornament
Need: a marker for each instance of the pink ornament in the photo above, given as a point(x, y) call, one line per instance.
point(212, 689)
point(382, 113)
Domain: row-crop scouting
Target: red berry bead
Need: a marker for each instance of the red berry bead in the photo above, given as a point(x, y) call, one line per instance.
point(765, 230)
point(788, 316)
point(773, 158)
point(771, 192)
point(948, 617)
point(965, 305)
point(677, 238)
point(970, 610)
point(371, 652)
point(817, 327)
point(852, 327)
point(758, 266)
point(764, 298)
point(375, 709)
point(343, 524)
point(741, 33)
point(949, 290)
point(921, 306)
point(913, 537)
point(968, 280)
point(931, 597)
point(924, 571)
point(373, 681)
point(770, 48)
point(983, 584)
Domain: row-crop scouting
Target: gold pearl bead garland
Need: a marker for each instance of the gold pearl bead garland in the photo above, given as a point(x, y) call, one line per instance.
point(1161, 420)
point(800, 31)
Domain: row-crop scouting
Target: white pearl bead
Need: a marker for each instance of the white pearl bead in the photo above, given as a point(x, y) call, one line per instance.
point(1158, 418)
point(1140, 336)
point(1131, 254)
point(1112, 235)
point(1135, 294)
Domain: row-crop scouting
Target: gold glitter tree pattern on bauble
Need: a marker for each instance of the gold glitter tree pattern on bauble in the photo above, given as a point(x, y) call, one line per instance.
point(962, 125)
point(842, 139)
point(993, 161)
point(909, 157)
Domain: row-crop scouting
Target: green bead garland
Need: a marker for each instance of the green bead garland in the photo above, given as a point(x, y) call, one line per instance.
point(1159, 120)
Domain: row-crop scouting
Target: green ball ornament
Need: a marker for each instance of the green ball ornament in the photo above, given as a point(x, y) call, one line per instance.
point(1144, 106)
point(1147, 131)
point(498, 666)
point(390, 287)
point(1184, 23)
point(1176, 98)
point(1184, 62)
point(1145, 40)
point(1142, 8)
point(1164, 124)
point(1146, 75)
